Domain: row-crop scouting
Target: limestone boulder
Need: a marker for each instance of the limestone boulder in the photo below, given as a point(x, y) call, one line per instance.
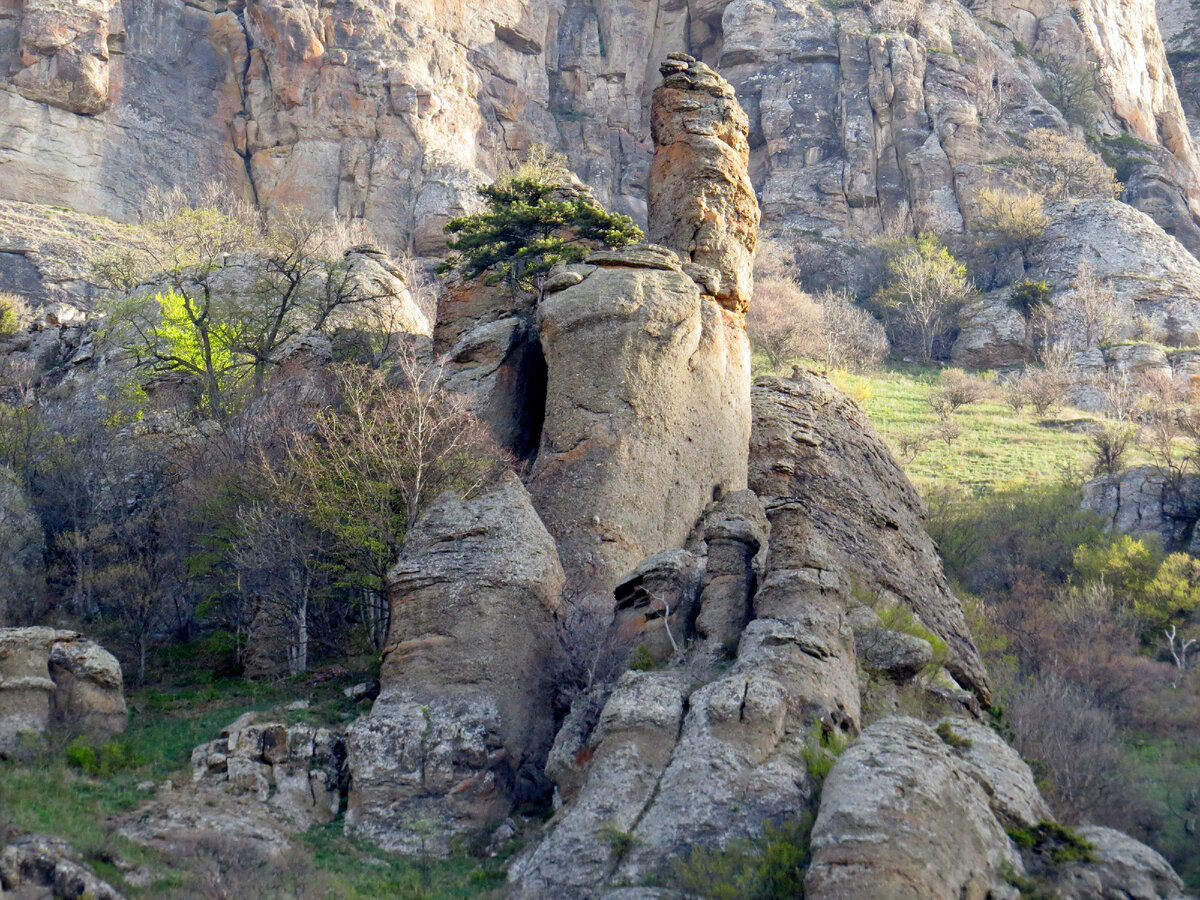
point(1156, 281)
point(1121, 867)
point(647, 414)
point(819, 465)
point(901, 818)
point(702, 204)
point(253, 787)
point(462, 724)
point(57, 682)
point(39, 865)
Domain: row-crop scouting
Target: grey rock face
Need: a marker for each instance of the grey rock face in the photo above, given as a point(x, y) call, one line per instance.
point(57, 681)
point(1143, 500)
point(1122, 867)
point(678, 767)
point(254, 786)
point(656, 602)
point(462, 724)
point(818, 465)
point(734, 531)
point(943, 842)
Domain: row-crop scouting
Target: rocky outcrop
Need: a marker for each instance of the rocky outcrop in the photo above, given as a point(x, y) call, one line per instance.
point(943, 841)
point(252, 787)
point(734, 532)
point(910, 811)
point(1145, 501)
point(48, 867)
point(1154, 280)
point(44, 256)
point(675, 766)
point(462, 724)
point(701, 202)
point(1120, 866)
point(647, 413)
point(22, 566)
point(818, 465)
point(58, 682)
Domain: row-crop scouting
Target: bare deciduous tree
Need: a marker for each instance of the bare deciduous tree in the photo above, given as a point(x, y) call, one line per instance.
point(374, 461)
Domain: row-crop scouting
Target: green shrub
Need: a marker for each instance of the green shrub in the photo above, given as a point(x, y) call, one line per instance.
point(1029, 297)
point(104, 760)
point(13, 312)
point(642, 660)
point(1055, 843)
point(821, 751)
point(620, 842)
point(769, 868)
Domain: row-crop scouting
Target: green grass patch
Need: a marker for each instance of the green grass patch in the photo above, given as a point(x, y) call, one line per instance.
point(997, 445)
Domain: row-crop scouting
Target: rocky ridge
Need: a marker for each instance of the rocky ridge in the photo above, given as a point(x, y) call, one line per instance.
point(859, 118)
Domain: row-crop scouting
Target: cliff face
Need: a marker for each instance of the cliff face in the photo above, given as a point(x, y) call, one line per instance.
point(859, 120)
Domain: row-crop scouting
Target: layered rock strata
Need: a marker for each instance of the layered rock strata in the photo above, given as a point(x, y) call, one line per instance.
point(818, 464)
point(463, 721)
point(701, 202)
point(54, 681)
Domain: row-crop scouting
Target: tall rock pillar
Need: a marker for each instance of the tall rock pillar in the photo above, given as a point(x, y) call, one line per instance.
point(702, 204)
point(648, 403)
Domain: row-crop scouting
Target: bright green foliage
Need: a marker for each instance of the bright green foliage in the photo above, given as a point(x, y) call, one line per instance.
point(1029, 297)
point(178, 333)
point(925, 288)
point(821, 751)
point(1126, 564)
point(770, 868)
point(11, 308)
point(530, 224)
point(1173, 593)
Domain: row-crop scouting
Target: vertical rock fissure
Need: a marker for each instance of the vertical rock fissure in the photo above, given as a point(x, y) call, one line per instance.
point(239, 11)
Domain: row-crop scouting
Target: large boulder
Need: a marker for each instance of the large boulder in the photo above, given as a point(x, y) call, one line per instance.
point(43, 866)
point(1154, 279)
point(647, 414)
point(818, 463)
point(463, 721)
point(58, 682)
point(701, 202)
point(901, 818)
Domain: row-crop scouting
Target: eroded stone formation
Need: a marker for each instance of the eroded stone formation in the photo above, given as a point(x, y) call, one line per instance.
point(58, 682)
point(701, 202)
point(460, 729)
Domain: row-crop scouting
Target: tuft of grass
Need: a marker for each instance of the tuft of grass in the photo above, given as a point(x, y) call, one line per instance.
point(951, 738)
point(1055, 843)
